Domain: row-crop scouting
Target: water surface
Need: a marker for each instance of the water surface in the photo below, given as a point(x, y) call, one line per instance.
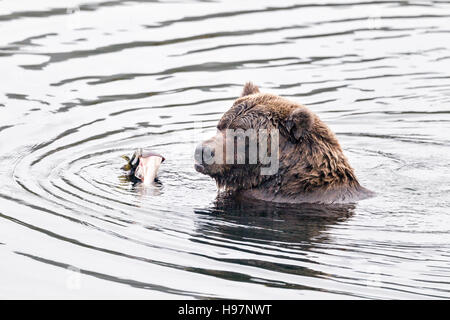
point(85, 82)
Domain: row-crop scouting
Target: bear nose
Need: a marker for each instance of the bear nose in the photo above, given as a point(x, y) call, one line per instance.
point(204, 153)
point(208, 152)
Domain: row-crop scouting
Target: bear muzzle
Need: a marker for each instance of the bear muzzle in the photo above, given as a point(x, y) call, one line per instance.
point(204, 156)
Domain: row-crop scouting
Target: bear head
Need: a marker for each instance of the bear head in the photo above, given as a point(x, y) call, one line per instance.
point(303, 153)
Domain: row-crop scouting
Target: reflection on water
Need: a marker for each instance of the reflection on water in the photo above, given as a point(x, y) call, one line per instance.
point(258, 225)
point(85, 84)
point(265, 222)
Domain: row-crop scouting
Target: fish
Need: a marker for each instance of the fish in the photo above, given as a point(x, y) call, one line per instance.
point(143, 166)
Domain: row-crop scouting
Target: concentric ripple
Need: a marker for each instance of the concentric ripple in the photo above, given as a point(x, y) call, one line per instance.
point(84, 85)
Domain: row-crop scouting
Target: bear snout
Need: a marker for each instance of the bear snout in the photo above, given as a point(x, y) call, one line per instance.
point(204, 156)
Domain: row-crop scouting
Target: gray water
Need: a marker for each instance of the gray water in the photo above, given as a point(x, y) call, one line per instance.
point(84, 82)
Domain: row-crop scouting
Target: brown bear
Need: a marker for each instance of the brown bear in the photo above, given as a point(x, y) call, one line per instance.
point(311, 166)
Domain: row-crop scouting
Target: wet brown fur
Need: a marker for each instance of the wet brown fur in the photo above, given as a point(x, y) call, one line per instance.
point(312, 165)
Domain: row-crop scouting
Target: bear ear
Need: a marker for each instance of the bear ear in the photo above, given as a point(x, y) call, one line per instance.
point(249, 88)
point(299, 122)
